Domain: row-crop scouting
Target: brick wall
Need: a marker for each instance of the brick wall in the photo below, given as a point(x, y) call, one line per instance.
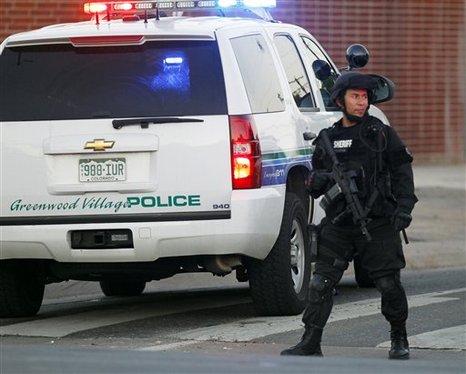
point(419, 44)
point(19, 15)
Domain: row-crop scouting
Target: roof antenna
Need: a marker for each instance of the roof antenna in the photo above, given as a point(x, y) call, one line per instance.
point(108, 13)
point(145, 16)
point(97, 22)
point(157, 15)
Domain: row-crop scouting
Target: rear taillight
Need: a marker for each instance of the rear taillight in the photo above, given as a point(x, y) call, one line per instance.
point(246, 159)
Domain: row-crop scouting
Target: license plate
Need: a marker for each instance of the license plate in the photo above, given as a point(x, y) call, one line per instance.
point(102, 170)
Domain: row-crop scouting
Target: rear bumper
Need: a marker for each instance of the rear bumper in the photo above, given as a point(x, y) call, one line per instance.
point(251, 230)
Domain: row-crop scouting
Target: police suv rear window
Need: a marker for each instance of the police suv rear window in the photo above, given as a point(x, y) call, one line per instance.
point(60, 82)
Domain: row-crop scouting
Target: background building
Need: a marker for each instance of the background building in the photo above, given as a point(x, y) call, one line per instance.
point(419, 44)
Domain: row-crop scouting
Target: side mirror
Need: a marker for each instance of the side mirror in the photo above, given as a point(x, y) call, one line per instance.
point(309, 136)
point(385, 89)
point(357, 56)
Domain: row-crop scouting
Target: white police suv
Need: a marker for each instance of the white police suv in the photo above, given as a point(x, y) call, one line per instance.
point(144, 143)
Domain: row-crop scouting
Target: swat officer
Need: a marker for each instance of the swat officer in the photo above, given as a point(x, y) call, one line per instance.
point(381, 166)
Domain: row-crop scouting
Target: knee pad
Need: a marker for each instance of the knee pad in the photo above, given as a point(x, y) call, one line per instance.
point(321, 288)
point(389, 285)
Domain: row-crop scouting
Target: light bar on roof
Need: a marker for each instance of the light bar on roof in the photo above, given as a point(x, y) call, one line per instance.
point(227, 3)
point(118, 7)
point(259, 3)
point(206, 4)
point(185, 4)
point(124, 6)
point(93, 8)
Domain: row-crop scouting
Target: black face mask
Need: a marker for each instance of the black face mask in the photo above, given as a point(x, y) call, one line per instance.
point(355, 119)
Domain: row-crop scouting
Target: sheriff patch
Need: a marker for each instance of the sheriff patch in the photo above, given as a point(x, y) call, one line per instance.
point(339, 144)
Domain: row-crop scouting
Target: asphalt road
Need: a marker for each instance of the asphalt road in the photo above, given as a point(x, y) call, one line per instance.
point(214, 329)
point(85, 360)
point(206, 324)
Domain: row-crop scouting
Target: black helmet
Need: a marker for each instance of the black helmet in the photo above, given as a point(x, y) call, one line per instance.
point(354, 80)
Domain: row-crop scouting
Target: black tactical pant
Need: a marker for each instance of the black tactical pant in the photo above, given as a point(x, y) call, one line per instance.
point(382, 257)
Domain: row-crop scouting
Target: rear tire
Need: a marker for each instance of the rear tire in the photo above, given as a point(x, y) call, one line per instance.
point(21, 289)
point(279, 284)
point(119, 287)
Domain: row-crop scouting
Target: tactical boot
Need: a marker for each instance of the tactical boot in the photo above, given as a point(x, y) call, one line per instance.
point(309, 344)
point(400, 346)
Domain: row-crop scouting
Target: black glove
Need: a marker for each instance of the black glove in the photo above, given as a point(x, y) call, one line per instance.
point(401, 220)
point(318, 181)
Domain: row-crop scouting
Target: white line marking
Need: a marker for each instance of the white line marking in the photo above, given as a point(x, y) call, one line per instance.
point(57, 327)
point(244, 330)
point(251, 328)
point(449, 338)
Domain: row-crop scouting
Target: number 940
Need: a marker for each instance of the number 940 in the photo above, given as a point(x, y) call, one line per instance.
point(221, 206)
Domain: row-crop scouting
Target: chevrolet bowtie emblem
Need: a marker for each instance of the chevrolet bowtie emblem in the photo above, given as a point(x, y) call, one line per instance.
point(99, 144)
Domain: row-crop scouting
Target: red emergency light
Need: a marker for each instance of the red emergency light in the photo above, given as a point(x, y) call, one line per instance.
point(93, 8)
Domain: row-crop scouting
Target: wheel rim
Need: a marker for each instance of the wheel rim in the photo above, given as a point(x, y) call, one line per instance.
point(297, 255)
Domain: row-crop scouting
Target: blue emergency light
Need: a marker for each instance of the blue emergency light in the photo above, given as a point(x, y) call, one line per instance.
point(173, 60)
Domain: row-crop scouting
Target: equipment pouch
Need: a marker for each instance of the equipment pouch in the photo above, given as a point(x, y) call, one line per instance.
point(313, 231)
point(330, 197)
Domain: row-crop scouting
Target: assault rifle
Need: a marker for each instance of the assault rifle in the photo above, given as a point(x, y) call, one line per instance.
point(345, 184)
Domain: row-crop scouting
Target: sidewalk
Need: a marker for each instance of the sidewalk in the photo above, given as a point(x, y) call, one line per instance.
point(444, 176)
point(437, 233)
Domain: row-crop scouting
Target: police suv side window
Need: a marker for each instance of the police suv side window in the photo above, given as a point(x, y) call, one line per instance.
point(324, 73)
point(295, 71)
point(259, 74)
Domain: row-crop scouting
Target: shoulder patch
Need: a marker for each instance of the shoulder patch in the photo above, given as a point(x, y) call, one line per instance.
point(400, 156)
